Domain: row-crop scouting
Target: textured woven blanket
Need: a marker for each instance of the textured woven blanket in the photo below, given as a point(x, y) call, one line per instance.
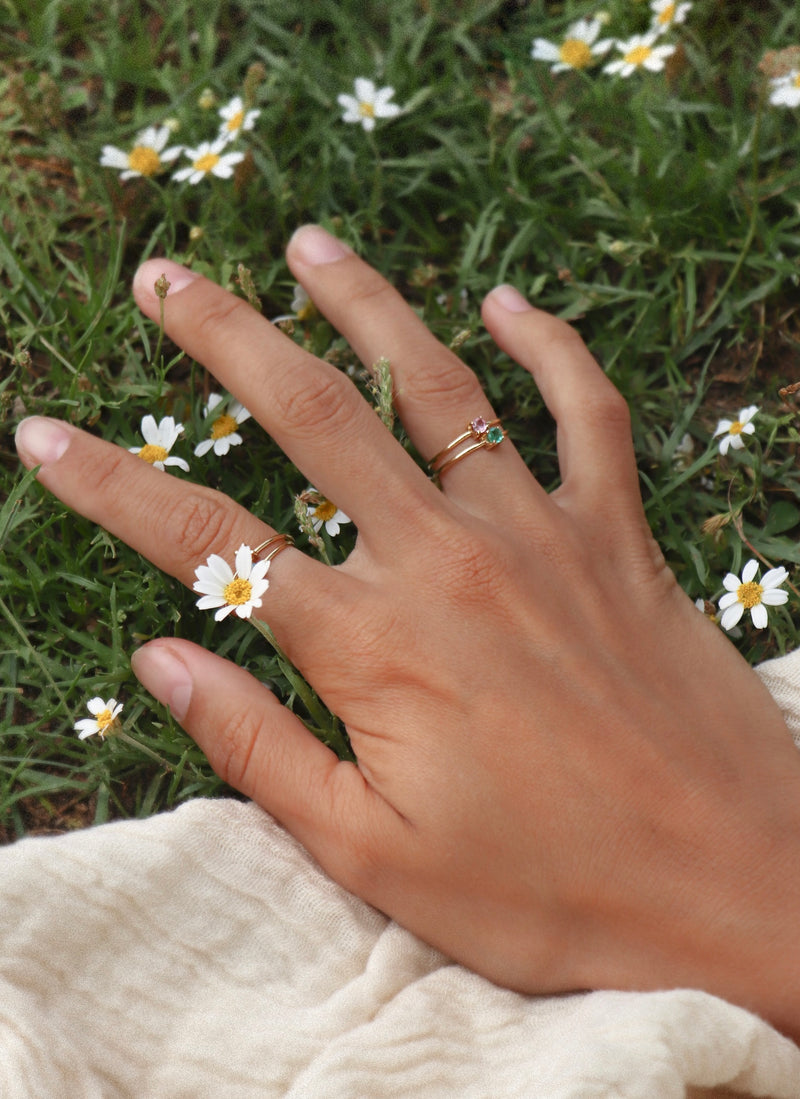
point(203, 953)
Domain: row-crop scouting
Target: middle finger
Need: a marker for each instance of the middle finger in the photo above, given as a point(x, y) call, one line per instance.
point(312, 411)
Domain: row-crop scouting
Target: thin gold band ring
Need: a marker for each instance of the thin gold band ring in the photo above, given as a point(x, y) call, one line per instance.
point(272, 547)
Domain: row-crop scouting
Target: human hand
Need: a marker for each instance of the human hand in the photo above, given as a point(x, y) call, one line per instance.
point(566, 776)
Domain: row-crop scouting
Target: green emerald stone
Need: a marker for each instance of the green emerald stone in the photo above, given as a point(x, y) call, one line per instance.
point(494, 436)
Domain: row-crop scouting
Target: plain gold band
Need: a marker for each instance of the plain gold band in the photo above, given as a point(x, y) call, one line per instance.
point(275, 544)
point(480, 445)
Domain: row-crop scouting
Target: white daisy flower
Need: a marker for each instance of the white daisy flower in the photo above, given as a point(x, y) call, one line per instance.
point(147, 157)
point(302, 307)
point(104, 720)
point(733, 430)
point(208, 159)
point(320, 510)
point(223, 431)
point(578, 50)
point(368, 103)
point(228, 590)
point(159, 440)
point(751, 595)
point(235, 119)
point(640, 52)
point(786, 90)
point(668, 12)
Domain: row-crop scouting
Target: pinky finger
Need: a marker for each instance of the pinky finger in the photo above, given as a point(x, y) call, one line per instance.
point(595, 449)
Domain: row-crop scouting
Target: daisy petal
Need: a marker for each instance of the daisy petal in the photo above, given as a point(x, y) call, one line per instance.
point(774, 597)
point(210, 600)
point(758, 613)
point(244, 561)
point(774, 577)
point(731, 616)
point(150, 431)
point(749, 571)
point(223, 612)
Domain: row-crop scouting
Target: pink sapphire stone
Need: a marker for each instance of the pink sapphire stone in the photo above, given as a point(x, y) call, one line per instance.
point(479, 425)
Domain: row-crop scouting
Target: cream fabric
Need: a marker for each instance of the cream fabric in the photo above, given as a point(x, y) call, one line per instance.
point(203, 953)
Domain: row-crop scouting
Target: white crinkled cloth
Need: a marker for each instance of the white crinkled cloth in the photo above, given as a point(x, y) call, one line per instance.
point(202, 953)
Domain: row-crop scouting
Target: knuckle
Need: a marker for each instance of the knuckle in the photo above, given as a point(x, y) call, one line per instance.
point(615, 409)
point(449, 385)
point(222, 312)
point(235, 754)
point(105, 473)
point(202, 524)
point(556, 334)
point(603, 404)
point(308, 408)
point(374, 292)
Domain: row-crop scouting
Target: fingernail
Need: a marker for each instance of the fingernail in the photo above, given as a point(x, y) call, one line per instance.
point(165, 676)
point(312, 245)
point(40, 441)
point(510, 298)
point(152, 270)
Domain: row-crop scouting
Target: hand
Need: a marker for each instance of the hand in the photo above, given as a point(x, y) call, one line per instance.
point(567, 777)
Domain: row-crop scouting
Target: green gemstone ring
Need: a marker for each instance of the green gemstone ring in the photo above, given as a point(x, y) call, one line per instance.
point(481, 434)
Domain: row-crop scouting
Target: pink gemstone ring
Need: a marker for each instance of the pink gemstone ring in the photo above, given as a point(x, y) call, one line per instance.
point(481, 434)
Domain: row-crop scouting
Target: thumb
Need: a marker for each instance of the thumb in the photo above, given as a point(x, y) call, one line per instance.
point(252, 741)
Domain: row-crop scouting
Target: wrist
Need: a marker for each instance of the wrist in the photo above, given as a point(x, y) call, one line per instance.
point(728, 924)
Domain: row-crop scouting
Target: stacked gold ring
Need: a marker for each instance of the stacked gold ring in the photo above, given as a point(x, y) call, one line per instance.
point(265, 551)
point(481, 434)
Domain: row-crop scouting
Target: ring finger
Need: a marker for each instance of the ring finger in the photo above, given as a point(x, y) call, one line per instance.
point(436, 395)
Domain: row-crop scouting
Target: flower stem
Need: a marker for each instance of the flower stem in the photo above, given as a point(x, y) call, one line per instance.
point(161, 288)
point(143, 748)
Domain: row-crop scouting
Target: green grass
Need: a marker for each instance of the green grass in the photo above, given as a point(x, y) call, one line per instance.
point(660, 214)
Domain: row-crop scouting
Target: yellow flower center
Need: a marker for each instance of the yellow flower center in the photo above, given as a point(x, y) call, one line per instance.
point(223, 425)
point(736, 428)
point(575, 53)
point(239, 591)
point(103, 720)
point(366, 110)
point(749, 595)
point(667, 15)
point(796, 81)
point(325, 511)
point(144, 160)
point(152, 453)
point(638, 55)
point(207, 162)
point(235, 122)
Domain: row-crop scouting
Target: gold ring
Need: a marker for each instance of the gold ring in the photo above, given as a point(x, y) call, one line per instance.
point(481, 434)
point(274, 545)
